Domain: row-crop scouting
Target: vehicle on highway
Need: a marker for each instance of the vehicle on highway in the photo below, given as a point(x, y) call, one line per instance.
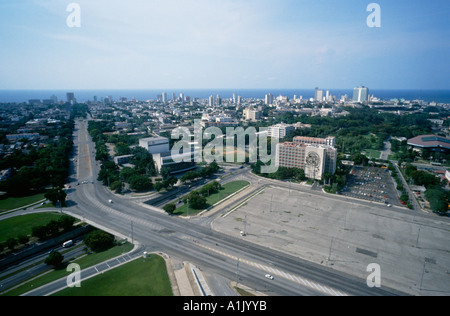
point(268, 276)
point(68, 244)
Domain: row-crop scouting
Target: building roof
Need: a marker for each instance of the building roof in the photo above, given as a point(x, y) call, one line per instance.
point(430, 141)
point(154, 139)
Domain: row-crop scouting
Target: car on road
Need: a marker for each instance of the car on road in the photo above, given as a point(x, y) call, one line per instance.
point(268, 276)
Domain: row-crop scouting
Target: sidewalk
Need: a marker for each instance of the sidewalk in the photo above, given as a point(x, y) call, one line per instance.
point(187, 280)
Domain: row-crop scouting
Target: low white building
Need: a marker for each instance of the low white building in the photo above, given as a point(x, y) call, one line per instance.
point(155, 145)
point(280, 130)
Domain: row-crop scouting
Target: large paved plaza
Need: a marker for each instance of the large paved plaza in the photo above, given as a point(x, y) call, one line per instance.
point(411, 248)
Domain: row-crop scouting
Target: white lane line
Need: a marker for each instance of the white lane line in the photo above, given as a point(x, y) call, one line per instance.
point(288, 276)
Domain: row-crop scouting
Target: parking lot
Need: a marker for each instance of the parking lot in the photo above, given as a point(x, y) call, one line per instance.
point(347, 235)
point(372, 184)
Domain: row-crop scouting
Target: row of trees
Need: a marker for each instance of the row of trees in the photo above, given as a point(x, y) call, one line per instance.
point(283, 173)
point(196, 199)
point(404, 197)
point(138, 177)
point(204, 173)
point(435, 194)
point(96, 240)
point(53, 228)
point(35, 169)
point(41, 232)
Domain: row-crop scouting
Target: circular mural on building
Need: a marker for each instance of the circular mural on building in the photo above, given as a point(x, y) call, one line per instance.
point(313, 160)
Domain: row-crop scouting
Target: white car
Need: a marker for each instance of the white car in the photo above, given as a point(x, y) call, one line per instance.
point(268, 276)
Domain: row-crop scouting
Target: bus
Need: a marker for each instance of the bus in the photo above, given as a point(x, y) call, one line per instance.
point(67, 244)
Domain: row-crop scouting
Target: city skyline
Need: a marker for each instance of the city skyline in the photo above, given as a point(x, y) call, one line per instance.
point(224, 45)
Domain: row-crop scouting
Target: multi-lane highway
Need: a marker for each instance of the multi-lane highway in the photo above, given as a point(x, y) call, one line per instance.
point(215, 253)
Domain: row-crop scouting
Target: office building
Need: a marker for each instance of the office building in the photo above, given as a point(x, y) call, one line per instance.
point(155, 145)
point(167, 160)
point(314, 155)
point(162, 155)
point(71, 98)
point(361, 94)
point(211, 101)
point(218, 100)
point(318, 95)
point(329, 141)
point(268, 99)
point(251, 114)
point(280, 130)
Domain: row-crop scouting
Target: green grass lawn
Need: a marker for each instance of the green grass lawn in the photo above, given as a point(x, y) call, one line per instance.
point(84, 262)
point(13, 203)
point(227, 190)
point(22, 225)
point(141, 277)
point(373, 154)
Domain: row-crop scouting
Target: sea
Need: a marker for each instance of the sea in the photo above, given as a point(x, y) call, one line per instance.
point(19, 96)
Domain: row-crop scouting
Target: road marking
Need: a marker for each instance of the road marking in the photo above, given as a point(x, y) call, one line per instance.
point(294, 278)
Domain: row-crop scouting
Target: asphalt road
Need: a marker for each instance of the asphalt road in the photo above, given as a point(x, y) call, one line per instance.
point(224, 257)
point(213, 252)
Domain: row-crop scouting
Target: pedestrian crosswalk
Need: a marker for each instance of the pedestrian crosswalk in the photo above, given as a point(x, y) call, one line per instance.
point(295, 278)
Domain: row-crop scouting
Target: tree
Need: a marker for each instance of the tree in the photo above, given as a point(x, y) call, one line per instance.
point(99, 240)
point(66, 222)
point(56, 195)
point(438, 199)
point(140, 183)
point(39, 232)
point(11, 243)
point(196, 201)
point(54, 259)
point(23, 239)
point(170, 208)
point(360, 159)
point(165, 172)
point(158, 186)
point(210, 188)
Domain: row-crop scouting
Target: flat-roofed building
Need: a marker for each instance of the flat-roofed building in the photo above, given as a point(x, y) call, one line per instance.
point(314, 155)
point(155, 145)
point(280, 130)
point(177, 163)
point(330, 140)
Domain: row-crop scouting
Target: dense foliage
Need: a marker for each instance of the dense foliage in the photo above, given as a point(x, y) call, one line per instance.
point(36, 168)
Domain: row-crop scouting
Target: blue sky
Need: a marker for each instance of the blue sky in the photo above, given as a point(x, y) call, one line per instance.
point(228, 44)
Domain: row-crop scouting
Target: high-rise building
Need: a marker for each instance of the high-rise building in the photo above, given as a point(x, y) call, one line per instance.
point(361, 94)
point(164, 97)
point(211, 101)
point(269, 99)
point(318, 95)
point(71, 97)
point(218, 100)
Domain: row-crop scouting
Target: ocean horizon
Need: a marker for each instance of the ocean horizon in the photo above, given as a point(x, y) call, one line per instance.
point(20, 96)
